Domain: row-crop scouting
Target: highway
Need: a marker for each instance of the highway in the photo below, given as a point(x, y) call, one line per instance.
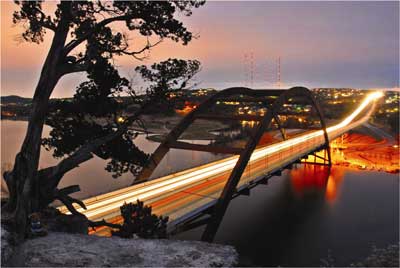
point(184, 194)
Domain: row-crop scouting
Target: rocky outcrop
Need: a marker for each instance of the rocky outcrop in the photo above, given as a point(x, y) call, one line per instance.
point(60, 249)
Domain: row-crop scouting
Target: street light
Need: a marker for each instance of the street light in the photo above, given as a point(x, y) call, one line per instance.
point(120, 120)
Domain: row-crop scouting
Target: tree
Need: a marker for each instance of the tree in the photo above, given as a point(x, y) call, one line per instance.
point(138, 220)
point(83, 41)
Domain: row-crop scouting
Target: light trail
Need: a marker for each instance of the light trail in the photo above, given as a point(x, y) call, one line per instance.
point(111, 202)
point(294, 141)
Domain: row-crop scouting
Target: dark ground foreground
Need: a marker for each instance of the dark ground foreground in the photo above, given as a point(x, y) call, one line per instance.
point(76, 250)
point(381, 257)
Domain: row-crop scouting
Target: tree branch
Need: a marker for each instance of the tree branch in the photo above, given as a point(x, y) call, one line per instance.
point(46, 23)
point(84, 153)
point(69, 189)
point(134, 53)
point(69, 201)
point(103, 223)
point(76, 42)
point(74, 67)
point(54, 174)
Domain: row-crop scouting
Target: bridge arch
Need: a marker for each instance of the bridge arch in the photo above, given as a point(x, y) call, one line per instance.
point(174, 134)
point(282, 97)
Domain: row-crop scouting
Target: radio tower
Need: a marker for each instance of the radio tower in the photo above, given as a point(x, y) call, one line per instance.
point(279, 72)
point(248, 66)
point(251, 69)
point(245, 69)
point(269, 74)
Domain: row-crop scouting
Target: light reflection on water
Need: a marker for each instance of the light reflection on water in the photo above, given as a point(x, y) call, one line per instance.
point(308, 178)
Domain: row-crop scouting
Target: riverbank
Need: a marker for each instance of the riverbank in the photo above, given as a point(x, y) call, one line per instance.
point(160, 126)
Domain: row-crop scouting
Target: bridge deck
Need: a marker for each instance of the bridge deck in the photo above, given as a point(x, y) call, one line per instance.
point(186, 194)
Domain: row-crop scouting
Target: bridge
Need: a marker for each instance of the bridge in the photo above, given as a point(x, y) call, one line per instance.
point(200, 195)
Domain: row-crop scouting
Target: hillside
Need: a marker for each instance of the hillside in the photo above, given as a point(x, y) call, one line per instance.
point(14, 99)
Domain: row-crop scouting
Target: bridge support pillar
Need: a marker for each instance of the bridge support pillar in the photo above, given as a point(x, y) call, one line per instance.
point(326, 158)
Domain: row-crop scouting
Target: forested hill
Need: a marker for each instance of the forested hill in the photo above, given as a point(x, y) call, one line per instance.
point(14, 99)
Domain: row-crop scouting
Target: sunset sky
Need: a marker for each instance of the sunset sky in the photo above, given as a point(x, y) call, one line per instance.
point(321, 44)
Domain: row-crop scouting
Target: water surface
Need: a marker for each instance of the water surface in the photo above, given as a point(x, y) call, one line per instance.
point(309, 214)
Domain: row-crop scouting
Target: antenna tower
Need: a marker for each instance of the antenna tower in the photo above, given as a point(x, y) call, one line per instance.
point(251, 69)
point(279, 72)
point(245, 69)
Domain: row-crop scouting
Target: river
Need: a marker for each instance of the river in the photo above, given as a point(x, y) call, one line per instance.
point(306, 215)
point(91, 175)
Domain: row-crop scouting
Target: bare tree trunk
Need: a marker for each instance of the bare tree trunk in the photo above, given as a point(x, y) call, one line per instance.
point(27, 160)
point(22, 180)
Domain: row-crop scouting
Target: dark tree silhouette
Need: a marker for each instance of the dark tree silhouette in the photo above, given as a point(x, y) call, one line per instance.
point(172, 74)
point(83, 41)
point(138, 220)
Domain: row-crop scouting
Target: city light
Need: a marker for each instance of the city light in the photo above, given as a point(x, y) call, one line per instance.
point(120, 120)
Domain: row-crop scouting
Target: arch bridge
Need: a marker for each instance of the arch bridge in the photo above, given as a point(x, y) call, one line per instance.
point(201, 195)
